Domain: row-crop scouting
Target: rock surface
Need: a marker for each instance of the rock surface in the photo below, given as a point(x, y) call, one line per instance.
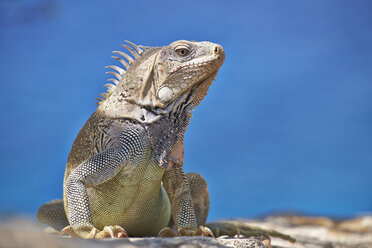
point(310, 232)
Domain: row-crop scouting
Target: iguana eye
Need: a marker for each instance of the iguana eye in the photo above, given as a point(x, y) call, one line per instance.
point(182, 51)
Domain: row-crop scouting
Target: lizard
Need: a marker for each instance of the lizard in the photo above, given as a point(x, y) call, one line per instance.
point(124, 174)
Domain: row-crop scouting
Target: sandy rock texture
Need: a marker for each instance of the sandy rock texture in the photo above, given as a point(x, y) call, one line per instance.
point(319, 232)
point(310, 232)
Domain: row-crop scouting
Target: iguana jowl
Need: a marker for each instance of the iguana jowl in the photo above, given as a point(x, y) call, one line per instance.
point(124, 172)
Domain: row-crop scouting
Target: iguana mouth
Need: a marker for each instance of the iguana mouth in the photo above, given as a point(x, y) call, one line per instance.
point(196, 66)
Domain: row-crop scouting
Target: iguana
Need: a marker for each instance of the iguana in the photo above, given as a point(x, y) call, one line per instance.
point(124, 173)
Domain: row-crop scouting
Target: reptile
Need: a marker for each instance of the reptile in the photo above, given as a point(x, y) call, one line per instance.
point(124, 174)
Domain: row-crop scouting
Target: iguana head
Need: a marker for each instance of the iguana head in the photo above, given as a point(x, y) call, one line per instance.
point(157, 80)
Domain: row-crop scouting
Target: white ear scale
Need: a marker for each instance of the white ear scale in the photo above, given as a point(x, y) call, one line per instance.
point(165, 94)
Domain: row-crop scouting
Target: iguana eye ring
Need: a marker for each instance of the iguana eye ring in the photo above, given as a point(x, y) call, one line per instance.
point(182, 51)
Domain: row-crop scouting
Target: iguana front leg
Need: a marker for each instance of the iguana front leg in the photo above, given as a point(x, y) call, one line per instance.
point(182, 208)
point(92, 172)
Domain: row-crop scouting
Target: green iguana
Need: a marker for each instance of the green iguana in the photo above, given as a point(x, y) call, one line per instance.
point(124, 173)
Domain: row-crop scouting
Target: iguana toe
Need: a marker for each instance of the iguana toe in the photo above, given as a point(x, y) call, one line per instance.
point(204, 231)
point(94, 233)
point(166, 232)
point(111, 232)
point(68, 230)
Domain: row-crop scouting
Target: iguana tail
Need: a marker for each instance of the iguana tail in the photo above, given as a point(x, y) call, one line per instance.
point(232, 228)
point(53, 214)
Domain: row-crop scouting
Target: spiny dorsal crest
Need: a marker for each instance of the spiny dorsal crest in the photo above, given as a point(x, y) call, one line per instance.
point(119, 72)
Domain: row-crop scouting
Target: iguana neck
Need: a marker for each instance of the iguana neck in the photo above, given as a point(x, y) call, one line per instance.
point(171, 126)
point(164, 134)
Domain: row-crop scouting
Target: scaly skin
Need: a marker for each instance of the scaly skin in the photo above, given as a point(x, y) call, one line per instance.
point(124, 173)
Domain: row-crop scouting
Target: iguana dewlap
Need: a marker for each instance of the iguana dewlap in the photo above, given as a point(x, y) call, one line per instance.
point(124, 172)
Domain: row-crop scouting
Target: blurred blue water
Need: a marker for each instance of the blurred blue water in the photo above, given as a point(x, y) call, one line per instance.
point(287, 124)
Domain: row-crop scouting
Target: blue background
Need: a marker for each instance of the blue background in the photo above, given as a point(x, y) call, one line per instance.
point(286, 126)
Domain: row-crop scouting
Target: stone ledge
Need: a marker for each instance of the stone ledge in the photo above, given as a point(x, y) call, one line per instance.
point(319, 232)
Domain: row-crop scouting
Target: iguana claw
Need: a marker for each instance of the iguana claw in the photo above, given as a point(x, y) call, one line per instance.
point(107, 232)
point(166, 232)
point(68, 230)
point(201, 231)
point(111, 231)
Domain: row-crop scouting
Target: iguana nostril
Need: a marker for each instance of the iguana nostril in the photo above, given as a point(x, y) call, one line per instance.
point(216, 49)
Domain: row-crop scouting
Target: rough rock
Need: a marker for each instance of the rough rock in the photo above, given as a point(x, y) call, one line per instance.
point(310, 232)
